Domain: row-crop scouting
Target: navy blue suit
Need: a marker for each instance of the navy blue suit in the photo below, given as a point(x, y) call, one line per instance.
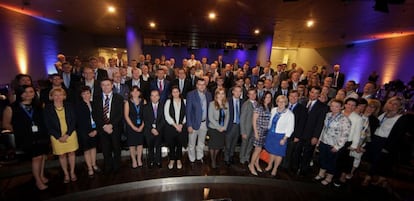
point(194, 110)
point(166, 89)
point(233, 131)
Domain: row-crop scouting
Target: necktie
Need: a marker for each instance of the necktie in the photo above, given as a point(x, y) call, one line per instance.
point(155, 108)
point(66, 80)
point(181, 85)
point(106, 110)
point(335, 80)
point(290, 107)
point(160, 86)
point(309, 106)
point(237, 112)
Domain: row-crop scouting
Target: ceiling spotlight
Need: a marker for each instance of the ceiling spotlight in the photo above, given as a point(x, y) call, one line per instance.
point(114, 49)
point(152, 24)
point(111, 9)
point(212, 15)
point(310, 23)
point(256, 31)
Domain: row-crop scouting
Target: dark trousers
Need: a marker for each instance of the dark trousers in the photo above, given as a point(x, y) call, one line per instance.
point(230, 142)
point(154, 147)
point(345, 161)
point(305, 155)
point(327, 158)
point(175, 141)
point(291, 160)
point(111, 149)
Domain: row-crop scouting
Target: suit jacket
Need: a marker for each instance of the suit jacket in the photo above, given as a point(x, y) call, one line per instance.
point(52, 120)
point(194, 110)
point(214, 117)
point(123, 91)
point(246, 118)
point(232, 112)
point(116, 113)
point(166, 89)
point(301, 116)
point(96, 91)
point(83, 115)
point(315, 120)
point(278, 93)
point(228, 79)
point(101, 74)
point(144, 86)
point(341, 80)
point(149, 118)
point(186, 88)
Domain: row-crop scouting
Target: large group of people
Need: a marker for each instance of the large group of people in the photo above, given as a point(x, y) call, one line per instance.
point(282, 111)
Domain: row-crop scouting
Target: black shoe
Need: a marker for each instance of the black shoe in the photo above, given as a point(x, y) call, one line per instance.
point(97, 169)
point(151, 165)
point(227, 163)
point(159, 165)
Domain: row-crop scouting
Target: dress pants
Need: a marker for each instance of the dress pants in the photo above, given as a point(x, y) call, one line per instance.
point(111, 149)
point(291, 160)
point(154, 147)
point(305, 152)
point(231, 140)
point(246, 148)
point(175, 141)
point(199, 136)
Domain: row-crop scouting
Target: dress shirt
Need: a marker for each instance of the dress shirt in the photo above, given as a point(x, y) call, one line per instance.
point(386, 125)
point(110, 103)
point(177, 109)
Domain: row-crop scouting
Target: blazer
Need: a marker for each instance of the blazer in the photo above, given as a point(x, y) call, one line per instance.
point(186, 88)
point(232, 112)
point(301, 116)
point(149, 119)
point(214, 116)
point(96, 91)
point(123, 91)
point(193, 108)
point(246, 118)
point(315, 121)
point(341, 80)
point(102, 74)
point(166, 89)
point(116, 113)
point(144, 86)
point(84, 125)
point(52, 120)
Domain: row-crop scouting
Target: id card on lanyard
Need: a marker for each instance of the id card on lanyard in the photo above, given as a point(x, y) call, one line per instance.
point(35, 128)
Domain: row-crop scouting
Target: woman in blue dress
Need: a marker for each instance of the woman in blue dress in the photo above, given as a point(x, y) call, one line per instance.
point(281, 125)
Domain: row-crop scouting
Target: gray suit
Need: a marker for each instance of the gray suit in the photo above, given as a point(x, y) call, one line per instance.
point(246, 127)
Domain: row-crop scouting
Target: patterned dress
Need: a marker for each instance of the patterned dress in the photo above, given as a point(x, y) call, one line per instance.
point(262, 124)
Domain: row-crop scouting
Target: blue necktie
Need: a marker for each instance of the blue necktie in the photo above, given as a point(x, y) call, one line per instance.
point(237, 112)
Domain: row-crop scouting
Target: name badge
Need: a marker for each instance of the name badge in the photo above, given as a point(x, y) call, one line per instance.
point(154, 125)
point(35, 129)
point(93, 125)
point(138, 121)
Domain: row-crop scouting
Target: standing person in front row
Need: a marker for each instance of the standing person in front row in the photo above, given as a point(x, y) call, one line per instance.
point(333, 137)
point(154, 123)
point(281, 126)
point(261, 117)
point(196, 115)
point(86, 130)
point(218, 117)
point(176, 137)
point(233, 127)
point(107, 113)
point(247, 127)
point(24, 118)
point(133, 114)
point(61, 124)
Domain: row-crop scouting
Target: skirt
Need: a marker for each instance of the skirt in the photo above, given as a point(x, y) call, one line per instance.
point(272, 144)
point(70, 145)
point(216, 139)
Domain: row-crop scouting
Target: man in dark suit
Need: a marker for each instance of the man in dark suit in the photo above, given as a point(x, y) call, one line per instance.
point(136, 80)
point(338, 78)
point(89, 80)
point(283, 90)
point(154, 122)
point(233, 127)
point(291, 161)
point(228, 76)
point(161, 84)
point(313, 127)
point(197, 119)
point(100, 74)
point(220, 64)
point(120, 88)
point(108, 113)
point(70, 80)
point(184, 84)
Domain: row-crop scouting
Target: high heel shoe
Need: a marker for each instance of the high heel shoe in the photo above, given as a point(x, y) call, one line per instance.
point(258, 168)
point(66, 179)
point(90, 173)
point(41, 186)
point(325, 182)
point(179, 165)
point(252, 170)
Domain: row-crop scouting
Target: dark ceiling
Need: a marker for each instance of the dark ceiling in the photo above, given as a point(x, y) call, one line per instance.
point(337, 22)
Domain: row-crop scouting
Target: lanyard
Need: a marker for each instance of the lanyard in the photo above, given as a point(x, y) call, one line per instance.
point(137, 108)
point(330, 120)
point(29, 113)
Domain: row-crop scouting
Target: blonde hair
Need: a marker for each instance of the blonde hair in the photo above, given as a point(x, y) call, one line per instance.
point(377, 104)
point(56, 90)
point(282, 97)
point(223, 102)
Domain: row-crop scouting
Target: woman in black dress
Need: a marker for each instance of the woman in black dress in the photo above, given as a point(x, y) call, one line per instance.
point(25, 118)
point(86, 129)
point(176, 135)
point(135, 125)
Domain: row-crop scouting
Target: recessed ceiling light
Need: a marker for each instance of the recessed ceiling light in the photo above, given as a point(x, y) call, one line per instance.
point(152, 24)
point(310, 23)
point(212, 15)
point(114, 49)
point(256, 31)
point(111, 9)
